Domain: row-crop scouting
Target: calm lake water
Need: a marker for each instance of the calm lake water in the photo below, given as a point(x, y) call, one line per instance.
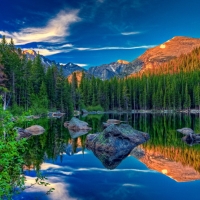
point(163, 168)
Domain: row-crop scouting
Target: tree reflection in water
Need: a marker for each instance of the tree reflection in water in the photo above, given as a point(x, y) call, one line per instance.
point(162, 129)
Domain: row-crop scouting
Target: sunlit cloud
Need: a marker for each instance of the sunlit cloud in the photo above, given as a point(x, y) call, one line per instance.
point(55, 31)
point(131, 33)
point(47, 52)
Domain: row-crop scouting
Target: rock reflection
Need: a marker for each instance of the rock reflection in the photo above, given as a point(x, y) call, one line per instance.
point(75, 134)
point(190, 141)
point(115, 143)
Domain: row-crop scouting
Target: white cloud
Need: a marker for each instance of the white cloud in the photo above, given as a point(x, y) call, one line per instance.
point(117, 170)
point(81, 65)
point(61, 188)
point(67, 45)
point(55, 30)
point(130, 33)
point(115, 48)
point(82, 49)
point(46, 166)
point(131, 185)
point(47, 51)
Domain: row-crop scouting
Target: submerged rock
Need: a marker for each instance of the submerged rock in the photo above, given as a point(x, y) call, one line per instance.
point(76, 124)
point(115, 143)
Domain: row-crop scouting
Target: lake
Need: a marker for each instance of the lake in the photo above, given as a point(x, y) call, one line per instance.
point(163, 168)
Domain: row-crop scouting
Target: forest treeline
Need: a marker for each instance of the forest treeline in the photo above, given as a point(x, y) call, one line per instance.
point(174, 85)
point(28, 85)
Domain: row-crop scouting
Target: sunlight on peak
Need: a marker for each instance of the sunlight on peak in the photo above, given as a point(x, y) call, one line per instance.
point(123, 62)
point(164, 171)
point(162, 46)
point(30, 51)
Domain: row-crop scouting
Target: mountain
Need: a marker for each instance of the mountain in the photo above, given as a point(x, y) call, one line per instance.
point(68, 69)
point(150, 60)
point(163, 53)
point(171, 168)
point(107, 71)
point(31, 54)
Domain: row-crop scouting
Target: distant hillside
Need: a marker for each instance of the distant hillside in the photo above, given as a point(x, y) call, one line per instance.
point(68, 69)
point(31, 54)
point(154, 58)
point(107, 71)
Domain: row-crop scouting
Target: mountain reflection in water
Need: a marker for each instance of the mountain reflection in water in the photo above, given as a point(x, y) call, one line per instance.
point(82, 176)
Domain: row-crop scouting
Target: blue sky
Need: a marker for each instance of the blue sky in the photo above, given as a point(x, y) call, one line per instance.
point(94, 32)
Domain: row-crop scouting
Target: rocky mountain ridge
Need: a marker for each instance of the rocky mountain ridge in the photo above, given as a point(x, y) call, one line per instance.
point(164, 52)
point(175, 170)
point(151, 59)
point(107, 71)
point(68, 68)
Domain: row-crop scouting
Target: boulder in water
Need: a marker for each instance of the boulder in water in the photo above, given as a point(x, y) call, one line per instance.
point(115, 143)
point(76, 124)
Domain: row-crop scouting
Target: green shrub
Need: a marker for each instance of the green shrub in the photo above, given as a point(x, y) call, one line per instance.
point(95, 108)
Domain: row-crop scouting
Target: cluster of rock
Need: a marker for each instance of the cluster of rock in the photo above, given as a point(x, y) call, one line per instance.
point(113, 144)
point(77, 127)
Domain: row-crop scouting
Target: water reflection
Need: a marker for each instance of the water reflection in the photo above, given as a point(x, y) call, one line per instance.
point(162, 129)
point(162, 162)
point(165, 152)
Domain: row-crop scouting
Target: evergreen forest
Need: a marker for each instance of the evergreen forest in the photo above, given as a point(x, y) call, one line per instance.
point(27, 85)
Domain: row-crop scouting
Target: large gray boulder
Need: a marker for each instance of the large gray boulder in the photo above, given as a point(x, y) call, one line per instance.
point(115, 143)
point(76, 124)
